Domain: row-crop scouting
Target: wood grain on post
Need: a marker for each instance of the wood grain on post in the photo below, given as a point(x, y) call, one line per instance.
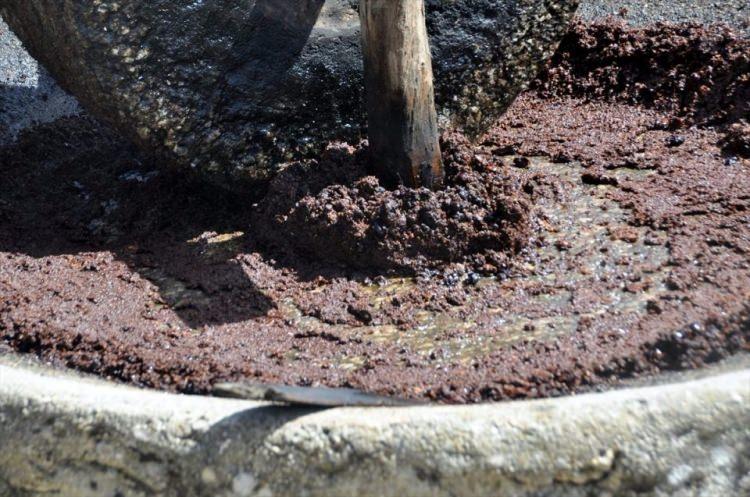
point(403, 129)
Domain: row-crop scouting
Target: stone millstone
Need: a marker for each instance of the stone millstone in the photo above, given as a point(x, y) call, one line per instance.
point(231, 88)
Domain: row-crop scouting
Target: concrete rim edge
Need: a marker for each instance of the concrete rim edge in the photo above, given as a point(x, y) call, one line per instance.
point(190, 445)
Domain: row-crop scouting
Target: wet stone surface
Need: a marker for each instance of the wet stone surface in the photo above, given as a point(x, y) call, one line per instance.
point(229, 89)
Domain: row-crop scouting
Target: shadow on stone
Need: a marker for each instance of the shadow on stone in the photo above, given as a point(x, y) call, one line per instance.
point(243, 436)
point(280, 33)
point(24, 106)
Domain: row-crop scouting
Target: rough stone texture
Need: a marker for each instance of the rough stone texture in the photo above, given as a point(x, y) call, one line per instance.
point(735, 13)
point(28, 95)
point(79, 437)
point(231, 87)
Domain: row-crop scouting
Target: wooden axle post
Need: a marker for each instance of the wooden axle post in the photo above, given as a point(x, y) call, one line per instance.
point(403, 129)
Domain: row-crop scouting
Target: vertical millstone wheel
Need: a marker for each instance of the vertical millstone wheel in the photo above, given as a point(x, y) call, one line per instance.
point(230, 88)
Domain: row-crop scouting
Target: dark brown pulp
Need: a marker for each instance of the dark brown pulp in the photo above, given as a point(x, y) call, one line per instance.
point(600, 230)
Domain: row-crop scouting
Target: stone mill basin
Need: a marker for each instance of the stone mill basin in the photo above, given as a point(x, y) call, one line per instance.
point(67, 434)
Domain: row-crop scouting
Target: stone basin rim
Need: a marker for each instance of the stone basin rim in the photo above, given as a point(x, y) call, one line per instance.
point(192, 445)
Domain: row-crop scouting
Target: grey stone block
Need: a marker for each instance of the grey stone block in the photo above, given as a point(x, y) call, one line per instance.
point(228, 88)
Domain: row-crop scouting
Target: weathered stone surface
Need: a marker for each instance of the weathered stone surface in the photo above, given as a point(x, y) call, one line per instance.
point(229, 88)
point(74, 437)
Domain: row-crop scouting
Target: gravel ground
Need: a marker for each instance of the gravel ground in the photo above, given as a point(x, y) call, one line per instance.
point(640, 12)
point(28, 95)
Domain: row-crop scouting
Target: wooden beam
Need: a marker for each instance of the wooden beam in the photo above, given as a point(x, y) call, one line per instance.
point(403, 129)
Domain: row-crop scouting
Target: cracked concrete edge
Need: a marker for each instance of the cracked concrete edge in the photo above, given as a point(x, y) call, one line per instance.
point(81, 437)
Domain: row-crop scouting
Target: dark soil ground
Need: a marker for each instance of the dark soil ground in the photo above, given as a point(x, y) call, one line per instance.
point(599, 231)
